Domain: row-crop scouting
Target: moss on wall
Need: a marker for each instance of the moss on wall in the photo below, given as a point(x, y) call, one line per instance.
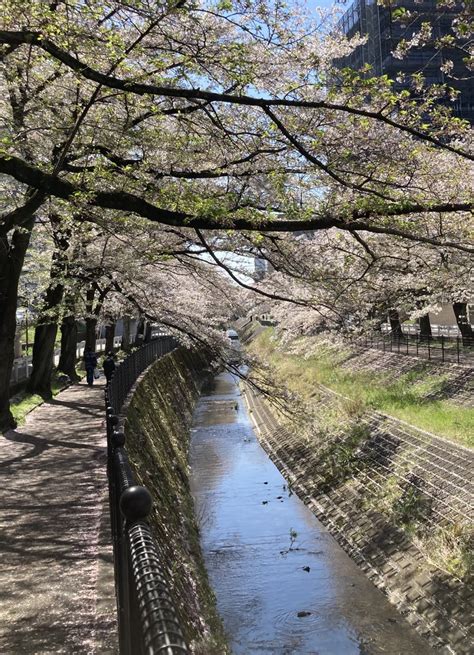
point(157, 426)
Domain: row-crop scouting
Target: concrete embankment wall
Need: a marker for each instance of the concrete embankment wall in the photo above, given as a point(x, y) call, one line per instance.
point(397, 499)
point(158, 418)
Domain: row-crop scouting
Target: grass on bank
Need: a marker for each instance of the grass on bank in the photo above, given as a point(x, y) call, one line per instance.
point(23, 402)
point(403, 397)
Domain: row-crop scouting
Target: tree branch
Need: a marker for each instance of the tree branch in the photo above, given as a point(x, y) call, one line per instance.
point(128, 86)
point(357, 220)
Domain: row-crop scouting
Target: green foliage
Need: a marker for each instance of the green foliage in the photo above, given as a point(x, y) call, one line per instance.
point(447, 546)
point(451, 548)
point(404, 502)
point(339, 461)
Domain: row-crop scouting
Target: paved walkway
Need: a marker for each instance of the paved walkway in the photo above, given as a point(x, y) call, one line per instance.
point(56, 573)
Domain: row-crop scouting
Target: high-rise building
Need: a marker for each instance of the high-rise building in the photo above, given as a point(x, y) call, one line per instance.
point(261, 267)
point(384, 32)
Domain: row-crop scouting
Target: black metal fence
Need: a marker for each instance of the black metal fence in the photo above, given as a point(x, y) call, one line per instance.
point(127, 373)
point(148, 624)
point(452, 350)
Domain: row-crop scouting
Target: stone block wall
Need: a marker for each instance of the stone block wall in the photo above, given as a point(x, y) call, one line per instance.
point(158, 417)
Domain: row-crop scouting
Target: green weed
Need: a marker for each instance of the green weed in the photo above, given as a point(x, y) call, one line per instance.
point(404, 397)
point(24, 403)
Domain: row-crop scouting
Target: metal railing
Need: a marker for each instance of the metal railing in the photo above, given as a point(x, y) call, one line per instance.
point(450, 331)
point(441, 349)
point(129, 370)
point(147, 620)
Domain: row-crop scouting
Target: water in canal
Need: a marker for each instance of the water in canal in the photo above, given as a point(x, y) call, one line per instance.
point(283, 584)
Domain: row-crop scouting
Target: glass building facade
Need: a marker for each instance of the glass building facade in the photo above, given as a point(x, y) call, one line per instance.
point(383, 32)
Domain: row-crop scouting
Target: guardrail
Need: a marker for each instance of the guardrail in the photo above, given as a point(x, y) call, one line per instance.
point(442, 349)
point(147, 620)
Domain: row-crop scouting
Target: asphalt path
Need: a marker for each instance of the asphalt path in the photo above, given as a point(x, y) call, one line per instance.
point(56, 572)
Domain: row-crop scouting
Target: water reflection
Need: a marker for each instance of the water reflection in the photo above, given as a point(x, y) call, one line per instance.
point(283, 585)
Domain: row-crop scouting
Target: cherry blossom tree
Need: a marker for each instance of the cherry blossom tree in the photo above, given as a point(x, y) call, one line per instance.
point(354, 283)
point(218, 123)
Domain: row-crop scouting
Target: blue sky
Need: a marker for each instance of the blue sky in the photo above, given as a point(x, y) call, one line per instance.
point(327, 3)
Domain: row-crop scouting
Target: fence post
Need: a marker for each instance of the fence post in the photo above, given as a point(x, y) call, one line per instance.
point(429, 349)
point(457, 348)
point(442, 348)
point(417, 338)
point(407, 344)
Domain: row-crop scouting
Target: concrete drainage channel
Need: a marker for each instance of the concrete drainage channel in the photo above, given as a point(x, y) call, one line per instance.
point(283, 584)
point(437, 604)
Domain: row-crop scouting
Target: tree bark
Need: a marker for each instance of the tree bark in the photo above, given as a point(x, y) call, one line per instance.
point(126, 333)
point(425, 328)
point(139, 337)
point(395, 324)
point(148, 331)
point(109, 336)
point(91, 320)
point(47, 325)
point(460, 311)
point(12, 255)
point(43, 355)
point(67, 360)
point(93, 313)
point(91, 333)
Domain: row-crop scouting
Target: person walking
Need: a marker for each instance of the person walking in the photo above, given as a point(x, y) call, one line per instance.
point(90, 362)
point(109, 366)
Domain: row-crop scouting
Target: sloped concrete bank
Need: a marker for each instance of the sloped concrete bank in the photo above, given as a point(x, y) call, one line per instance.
point(457, 381)
point(157, 424)
point(397, 499)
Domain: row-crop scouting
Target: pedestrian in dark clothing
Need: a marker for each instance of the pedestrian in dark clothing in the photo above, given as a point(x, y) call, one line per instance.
point(90, 362)
point(109, 366)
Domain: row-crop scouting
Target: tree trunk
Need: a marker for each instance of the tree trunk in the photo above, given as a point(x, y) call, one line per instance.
point(395, 324)
point(43, 356)
point(139, 337)
point(91, 333)
point(12, 255)
point(126, 333)
point(460, 311)
point(148, 330)
point(18, 345)
point(67, 360)
point(47, 325)
point(91, 321)
point(109, 336)
point(425, 328)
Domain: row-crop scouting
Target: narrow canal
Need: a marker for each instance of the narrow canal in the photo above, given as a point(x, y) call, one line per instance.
point(283, 584)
